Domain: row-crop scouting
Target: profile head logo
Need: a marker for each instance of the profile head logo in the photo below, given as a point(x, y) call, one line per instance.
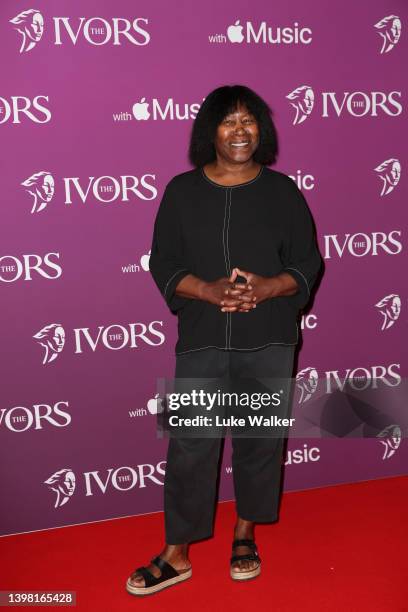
point(41, 186)
point(389, 29)
point(52, 338)
point(30, 24)
point(234, 33)
point(302, 100)
point(390, 308)
point(390, 437)
point(63, 484)
point(140, 110)
point(307, 381)
point(389, 172)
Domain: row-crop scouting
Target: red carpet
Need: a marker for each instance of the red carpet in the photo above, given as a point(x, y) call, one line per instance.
point(340, 548)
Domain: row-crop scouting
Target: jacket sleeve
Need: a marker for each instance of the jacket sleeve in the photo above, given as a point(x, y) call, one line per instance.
point(166, 264)
point(300, 254)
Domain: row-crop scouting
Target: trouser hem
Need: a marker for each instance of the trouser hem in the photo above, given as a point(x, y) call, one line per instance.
point(257, 519)
point(188, 540)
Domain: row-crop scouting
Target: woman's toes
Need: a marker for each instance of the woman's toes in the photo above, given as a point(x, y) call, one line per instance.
point(137, 580)
point(245, 565)
point(241, 566)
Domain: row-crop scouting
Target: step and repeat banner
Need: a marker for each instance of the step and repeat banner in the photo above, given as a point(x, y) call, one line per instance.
point(97, 101)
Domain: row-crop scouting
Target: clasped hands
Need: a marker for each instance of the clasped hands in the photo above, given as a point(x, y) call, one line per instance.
point(233, 296)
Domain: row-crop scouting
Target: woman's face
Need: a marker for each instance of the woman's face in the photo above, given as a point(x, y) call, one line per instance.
point(237, 136)
point(36, 27)
point(46, 190)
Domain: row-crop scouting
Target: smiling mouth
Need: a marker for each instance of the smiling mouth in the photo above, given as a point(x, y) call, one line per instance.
point(240, 144)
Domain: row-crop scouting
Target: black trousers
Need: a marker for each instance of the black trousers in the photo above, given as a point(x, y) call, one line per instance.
point(190, 484)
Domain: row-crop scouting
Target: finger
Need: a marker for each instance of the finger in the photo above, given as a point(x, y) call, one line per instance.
point(229, 302)
point(246, 287)
point(233, 276)
point(229, 308)
point(247, 307)
point(237, 292)
point(240, 286)
point(246, 298)
point(228, 291)
point(242, 309)
point(244, 273)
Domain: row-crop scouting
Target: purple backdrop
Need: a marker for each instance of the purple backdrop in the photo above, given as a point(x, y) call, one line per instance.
point(96, 106)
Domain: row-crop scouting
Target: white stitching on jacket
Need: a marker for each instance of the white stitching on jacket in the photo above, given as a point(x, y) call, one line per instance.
point(229, 264)
point(171, 278)
point(237, 349)
point(227, 233)
point(232, 186)
point(226, 262)
point(302, 275)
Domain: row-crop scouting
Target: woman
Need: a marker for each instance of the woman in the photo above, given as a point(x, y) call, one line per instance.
point(234, 254)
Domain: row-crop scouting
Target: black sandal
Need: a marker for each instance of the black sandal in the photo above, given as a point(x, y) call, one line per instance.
point(252, 556)
point(168, 577)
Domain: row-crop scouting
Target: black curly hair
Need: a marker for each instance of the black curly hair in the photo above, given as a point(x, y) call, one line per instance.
point(219, 103)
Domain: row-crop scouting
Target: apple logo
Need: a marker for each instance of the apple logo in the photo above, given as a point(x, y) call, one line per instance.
point(234, 33)
point(154, 405)
point(140, 111)
point(144, 261)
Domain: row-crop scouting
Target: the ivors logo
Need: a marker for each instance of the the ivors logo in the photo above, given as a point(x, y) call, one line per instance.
point(96, 31)
point(362, 244)
point(22, 418)
point(356, 104)
point(28, 267)
point(17, 109)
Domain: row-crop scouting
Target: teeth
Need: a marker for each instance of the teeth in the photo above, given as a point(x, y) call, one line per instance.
point(239, 144)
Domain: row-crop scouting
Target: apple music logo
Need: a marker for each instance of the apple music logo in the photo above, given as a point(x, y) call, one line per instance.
point(263, 33)
point(234, 33)
point(169, 109)
point(133, 267)
point(157, 110)
point(154, 406)
point(140, 110)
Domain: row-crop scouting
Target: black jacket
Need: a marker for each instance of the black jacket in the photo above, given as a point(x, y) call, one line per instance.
point(206, 229)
